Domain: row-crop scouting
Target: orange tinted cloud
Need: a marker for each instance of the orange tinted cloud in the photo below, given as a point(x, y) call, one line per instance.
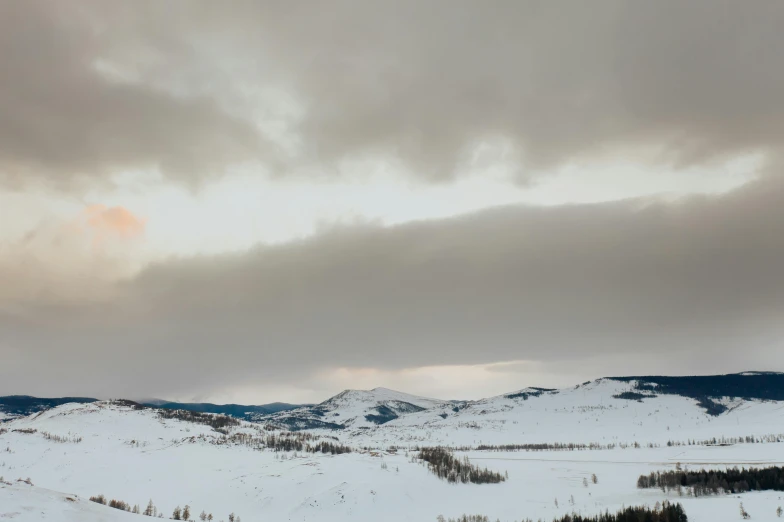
point(72, 260)
point(114, 221)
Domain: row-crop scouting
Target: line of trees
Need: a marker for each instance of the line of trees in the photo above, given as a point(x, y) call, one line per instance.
point(285, 441)
point(216, 422)
point(713, 482)
point(116, 504)
point(542, 446)
point(666, 512)
point(446, 466)
point(48, 436)
point(152, 511)
point(569, 446)
point(726, 441)
point(329, 447)
point(61, 438)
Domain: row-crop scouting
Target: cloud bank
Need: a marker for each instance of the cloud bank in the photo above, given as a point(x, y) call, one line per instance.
point(686, 287)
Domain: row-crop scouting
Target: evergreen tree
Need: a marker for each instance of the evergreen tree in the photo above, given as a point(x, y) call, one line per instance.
point(743, 512)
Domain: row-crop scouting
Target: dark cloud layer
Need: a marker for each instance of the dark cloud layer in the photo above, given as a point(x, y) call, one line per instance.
point(63, 120)
point(418, 82)
point(693, 286)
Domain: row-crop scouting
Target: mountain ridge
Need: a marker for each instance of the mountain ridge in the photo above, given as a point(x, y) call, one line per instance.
point(12, 406)
point(367, 409)
point(534, 414)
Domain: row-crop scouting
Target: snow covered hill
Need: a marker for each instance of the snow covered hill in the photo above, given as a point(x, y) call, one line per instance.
point(605, 411)
point(13, 406)
point(356, 409)
point(21, 502)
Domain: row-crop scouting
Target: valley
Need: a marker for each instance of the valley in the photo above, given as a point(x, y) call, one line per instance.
point(133, 453)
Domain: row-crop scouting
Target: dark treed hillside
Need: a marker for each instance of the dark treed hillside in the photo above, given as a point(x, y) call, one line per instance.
point(239, 411)
point(703, 388)
point(27, 405)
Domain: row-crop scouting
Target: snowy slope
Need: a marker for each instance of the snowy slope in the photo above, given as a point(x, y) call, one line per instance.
point(587, 413)
point(20, 502)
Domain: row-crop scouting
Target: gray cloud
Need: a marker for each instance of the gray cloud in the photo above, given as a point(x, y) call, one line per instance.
point(418, 82)
point(693, 286)
point(63, 120)
point(563, 80)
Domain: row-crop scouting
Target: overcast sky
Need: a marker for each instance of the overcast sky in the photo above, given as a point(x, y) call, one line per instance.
point(274, 201)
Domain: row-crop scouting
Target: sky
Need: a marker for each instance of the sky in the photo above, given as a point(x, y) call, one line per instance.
point(275, 201)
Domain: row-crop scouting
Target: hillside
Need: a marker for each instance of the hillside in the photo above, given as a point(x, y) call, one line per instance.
point(356, 409)
point(133, 453)
point(22, 502)
point(20, 405)
point(604, 411)
point(13, 406)
point(238, 411)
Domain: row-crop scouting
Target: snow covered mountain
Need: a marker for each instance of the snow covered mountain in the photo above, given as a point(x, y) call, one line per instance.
point(356, 409)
